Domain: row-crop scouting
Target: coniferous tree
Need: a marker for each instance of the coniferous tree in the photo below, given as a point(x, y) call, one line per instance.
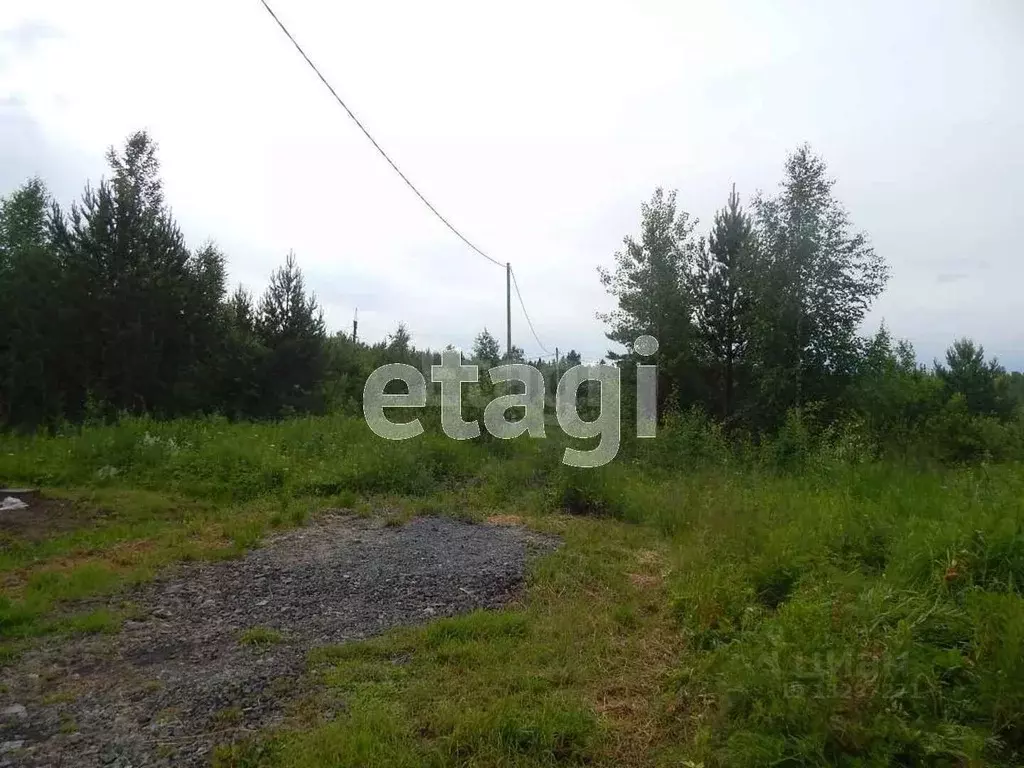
point(204, 328)
point(143, 303)
point(290, 325)
point(241, 311)
point(486, 349)
point(237, 381)
point(724, 288)
point(967, 373)
point(31, 339)
point(400, 343)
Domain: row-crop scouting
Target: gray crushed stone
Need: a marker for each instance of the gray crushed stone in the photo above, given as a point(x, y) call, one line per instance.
point(171, 686)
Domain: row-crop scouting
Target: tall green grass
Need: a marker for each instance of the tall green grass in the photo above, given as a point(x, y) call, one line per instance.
point(223, 461)
point(873, 619)
point(833, 608)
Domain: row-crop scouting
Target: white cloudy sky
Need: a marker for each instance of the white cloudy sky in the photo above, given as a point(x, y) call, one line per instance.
point(538, 128)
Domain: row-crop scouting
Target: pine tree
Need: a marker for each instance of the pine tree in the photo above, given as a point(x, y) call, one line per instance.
point(290, 325)
point(204, 329)
point(724, 290)
point(31, 342)
point(237, 382)
point(143, 304)
point(967, 373)
point(486, 349)
point(399, 344)
point(241, 311)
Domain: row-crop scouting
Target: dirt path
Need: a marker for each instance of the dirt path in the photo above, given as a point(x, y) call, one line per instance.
point(171, 686)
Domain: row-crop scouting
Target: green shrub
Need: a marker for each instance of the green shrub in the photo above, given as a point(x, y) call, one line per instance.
point(687, 440)
point(597, 492)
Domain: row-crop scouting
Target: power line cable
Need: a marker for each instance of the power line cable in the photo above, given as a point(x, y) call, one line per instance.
point(529, 322)
point(366, 133)
point(397, 170)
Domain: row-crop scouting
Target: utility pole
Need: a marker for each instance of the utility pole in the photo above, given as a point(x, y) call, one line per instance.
point(508, 312)
point(355, 325)
point(554, 389)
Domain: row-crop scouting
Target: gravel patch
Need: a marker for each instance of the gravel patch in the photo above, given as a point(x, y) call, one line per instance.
point(221, 648)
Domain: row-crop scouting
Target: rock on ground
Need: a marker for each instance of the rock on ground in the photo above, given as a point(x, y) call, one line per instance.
point(171, 686)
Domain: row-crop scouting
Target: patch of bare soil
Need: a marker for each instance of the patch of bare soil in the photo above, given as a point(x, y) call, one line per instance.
point(169, 687)
point(44, 517)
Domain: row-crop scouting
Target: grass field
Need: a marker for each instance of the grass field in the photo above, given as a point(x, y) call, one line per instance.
point(790, 604)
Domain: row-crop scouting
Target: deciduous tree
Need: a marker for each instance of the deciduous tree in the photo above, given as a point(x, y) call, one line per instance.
point(652, 283)
point(816, 279)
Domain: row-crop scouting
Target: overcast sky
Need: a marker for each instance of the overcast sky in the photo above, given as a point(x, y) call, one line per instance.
point(538, 128)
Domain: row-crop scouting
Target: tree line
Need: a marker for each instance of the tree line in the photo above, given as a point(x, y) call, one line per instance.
point(105, 310)
point(759, 321)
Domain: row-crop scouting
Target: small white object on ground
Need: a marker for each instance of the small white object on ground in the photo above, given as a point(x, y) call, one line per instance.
point(11, 503)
